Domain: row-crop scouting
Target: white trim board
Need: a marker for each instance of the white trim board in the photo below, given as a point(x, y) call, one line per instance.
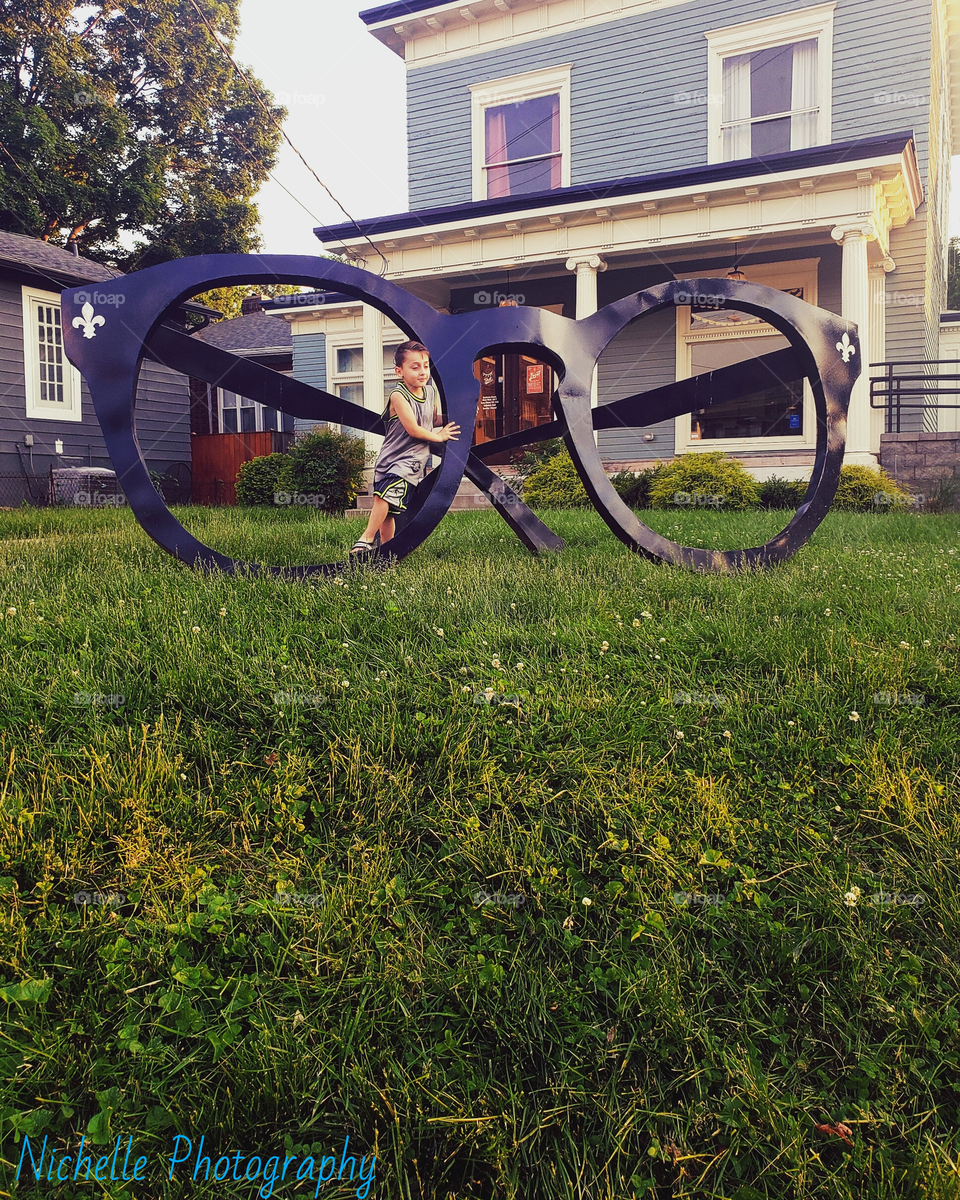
point(71, 409)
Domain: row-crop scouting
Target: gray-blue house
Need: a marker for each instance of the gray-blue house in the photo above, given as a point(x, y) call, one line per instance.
point(46, 414)
point(567, 153)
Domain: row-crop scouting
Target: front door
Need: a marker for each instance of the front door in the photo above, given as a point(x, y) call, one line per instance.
point(515, 394)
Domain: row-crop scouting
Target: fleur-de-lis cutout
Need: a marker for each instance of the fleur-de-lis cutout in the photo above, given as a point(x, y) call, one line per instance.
point(90, 322)
point(846, 348)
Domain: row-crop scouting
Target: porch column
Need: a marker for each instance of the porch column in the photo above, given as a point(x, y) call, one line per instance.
point(373, 397)
point(878, 272)
point(856, 307)
point(587, 267)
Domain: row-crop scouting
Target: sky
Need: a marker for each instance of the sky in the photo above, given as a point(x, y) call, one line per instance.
point(347, 102)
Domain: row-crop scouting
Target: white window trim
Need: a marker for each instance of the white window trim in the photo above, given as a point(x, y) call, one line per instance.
point(762, 34)
point(511, 90)
point(340, 340)
point(801, 273)
point(70, 410)
point(257, 407)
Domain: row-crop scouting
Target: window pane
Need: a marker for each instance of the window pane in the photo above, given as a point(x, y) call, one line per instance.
point(229, 399)
point(771, 80)
point(270, 418)
point(776, 411)
point(770, 137)
point(248, 420)
point(352, 392)
point(229, 420)
point(388, 353)
point(350, 360)
point(523, 130)
point(50, 360)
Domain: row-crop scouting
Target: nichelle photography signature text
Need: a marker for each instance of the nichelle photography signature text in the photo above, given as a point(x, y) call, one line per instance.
point(53, 1164)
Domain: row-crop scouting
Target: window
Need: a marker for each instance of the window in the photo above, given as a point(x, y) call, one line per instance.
point(780, 416)
point(769, 84)
point(521, 134)
point(238, 414)
point(52, 385)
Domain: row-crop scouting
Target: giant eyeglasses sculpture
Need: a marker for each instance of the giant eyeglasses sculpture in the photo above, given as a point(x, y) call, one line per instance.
point(108, 346)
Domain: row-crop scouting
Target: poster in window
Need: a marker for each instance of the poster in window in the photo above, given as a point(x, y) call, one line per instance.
point(534, 378)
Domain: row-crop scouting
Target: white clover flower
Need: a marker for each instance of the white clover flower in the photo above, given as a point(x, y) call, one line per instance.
point(586, 902)
point(519, 666)
point(854, 716)
point(791, 722)
point(408, 660)
point(646, 614)
point(568, 923)
point(679, 735)
point(346, 683)
point(826, 612)
point(904, 645)
point(927, 642)
point(495, 662)
point(449, 591)
point(439, 632)
point(345, 645)
point(223, 612)
point(465, 688)
point(727, 733)
point(850, 898)
point(513, 606)
point(463, 670)
point(663, 639)
point(11, 612)
point(636, 621)
point(604, 647)
point(196, 629)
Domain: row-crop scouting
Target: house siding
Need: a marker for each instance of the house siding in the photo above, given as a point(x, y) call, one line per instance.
point(309, 366)
point(627, 72)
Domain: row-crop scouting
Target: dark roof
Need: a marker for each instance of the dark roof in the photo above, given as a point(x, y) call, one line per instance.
point(399, 8)
point(594, 193)
point(256, 332)
point(42, 258)
point(306, 300)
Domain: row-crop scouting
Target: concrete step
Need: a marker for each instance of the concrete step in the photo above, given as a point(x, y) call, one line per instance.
point(467, 499)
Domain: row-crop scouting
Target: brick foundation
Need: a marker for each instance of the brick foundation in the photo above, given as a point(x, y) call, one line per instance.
point(920, 460)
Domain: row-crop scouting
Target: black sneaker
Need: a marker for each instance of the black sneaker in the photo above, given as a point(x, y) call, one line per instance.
point(362, 547)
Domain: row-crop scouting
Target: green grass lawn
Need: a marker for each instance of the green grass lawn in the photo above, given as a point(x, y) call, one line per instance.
point(689, 894)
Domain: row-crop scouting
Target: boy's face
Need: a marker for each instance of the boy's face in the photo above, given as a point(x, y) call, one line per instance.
point(415, 371)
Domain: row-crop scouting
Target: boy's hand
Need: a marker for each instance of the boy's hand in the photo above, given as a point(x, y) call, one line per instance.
point(449, 433)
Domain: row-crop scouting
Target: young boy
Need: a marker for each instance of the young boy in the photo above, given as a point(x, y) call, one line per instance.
point(414, 414)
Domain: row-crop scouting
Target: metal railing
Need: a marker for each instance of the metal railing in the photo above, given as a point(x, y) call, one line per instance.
point(897, 389)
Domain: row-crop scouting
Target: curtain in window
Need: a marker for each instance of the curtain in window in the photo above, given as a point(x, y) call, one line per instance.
point(498, 178)
point(736, 107)
point(555, 163)
point(803, 129)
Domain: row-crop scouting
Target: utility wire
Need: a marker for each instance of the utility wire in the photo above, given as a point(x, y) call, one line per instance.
point(259, 98)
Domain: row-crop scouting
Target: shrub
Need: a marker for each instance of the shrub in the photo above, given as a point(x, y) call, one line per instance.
point(327, 464)
point(782, 493)
point(556, 485)
point(259, 479)
point(707, 478)
point(634, 488)
point(868, 489)
point(530, 462)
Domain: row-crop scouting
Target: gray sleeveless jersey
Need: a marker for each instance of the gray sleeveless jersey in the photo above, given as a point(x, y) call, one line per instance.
point(401, 454)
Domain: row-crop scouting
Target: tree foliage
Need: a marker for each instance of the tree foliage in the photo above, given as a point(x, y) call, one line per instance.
point(125, 129)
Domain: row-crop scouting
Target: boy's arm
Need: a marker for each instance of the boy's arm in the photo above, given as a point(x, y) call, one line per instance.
point(404, 413)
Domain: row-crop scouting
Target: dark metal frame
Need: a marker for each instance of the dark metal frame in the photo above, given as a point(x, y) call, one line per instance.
point(141, 323)
point(890, 388)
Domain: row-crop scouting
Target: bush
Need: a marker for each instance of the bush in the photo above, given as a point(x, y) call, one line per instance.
point(782, 493)
point(259, 479)
point(634, 488)
point(708, 478)
point(868, 489)
point(556, 485)
point(327, 464)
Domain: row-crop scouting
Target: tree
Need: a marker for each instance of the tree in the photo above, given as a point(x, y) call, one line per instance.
point(124, 129)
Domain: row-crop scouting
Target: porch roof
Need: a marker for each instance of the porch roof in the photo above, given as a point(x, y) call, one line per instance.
point(768, 168)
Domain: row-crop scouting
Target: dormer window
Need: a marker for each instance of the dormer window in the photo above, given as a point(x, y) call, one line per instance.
point(769, 84)
point(521, 134)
